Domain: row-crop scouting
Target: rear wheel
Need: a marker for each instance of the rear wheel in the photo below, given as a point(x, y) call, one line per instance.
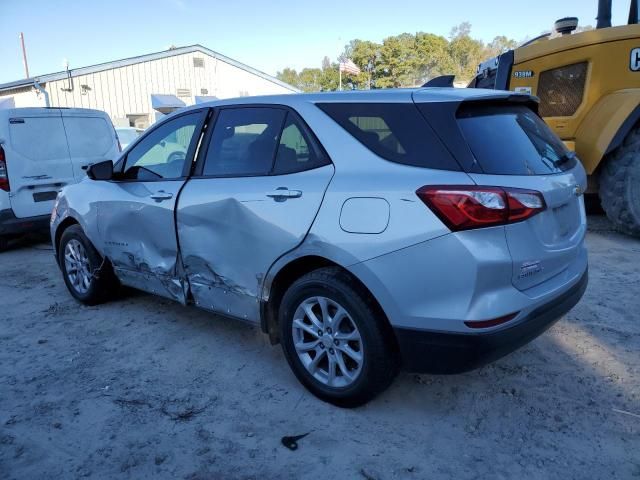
point(88, 278)
point(334, 339)
point(4, 243)
point(620, 185)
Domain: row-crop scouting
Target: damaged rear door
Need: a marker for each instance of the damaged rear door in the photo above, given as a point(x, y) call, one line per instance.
point(256, 191)
point(136, 212)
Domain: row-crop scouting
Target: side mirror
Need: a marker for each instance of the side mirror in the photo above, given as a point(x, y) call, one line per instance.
point(101, 171)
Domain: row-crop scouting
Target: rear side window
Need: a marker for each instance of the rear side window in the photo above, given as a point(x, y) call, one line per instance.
point(88, 136)
point(394, 131)
point(296, 151)
point(512, 140)
point(244, 141)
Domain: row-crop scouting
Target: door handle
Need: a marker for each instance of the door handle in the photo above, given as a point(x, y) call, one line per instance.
point(283, 193)
point(37, 177)
point(161, 195)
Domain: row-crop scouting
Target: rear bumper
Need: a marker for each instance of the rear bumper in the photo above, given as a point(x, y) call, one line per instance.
point(10, 225)
point(455, 352)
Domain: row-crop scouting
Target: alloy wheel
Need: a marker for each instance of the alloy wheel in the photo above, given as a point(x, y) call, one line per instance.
point(77, 266)
point(327, 341)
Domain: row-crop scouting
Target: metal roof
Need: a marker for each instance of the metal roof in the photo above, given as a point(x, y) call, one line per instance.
point(139, 59)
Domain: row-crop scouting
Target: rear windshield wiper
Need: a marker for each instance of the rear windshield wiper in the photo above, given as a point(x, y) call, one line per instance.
point(565, 157)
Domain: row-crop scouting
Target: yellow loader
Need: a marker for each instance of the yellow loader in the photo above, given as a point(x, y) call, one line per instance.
point(588, 84)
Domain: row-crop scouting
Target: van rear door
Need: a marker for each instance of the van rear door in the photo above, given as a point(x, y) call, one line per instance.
point(91, 139)
point(38, 162)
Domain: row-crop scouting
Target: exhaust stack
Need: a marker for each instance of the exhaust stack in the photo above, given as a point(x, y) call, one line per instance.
point(633, 12)
point(604, 14)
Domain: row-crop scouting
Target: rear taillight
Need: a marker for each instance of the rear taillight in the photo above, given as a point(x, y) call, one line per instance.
point(467, 207)
point(4, 175)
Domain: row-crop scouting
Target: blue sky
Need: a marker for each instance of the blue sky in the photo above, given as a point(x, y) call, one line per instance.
point(265, 34)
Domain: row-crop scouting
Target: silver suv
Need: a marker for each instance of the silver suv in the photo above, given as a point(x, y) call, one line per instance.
point(430, 229)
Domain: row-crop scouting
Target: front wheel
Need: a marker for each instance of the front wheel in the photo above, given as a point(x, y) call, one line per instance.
point(88, 278)
point(620, 185)
point(335, 340)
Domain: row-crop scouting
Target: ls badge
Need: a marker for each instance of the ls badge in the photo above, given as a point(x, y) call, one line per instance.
point(529, 269)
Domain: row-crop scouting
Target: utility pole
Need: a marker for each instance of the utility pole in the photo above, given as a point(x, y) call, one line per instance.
point(24, 56)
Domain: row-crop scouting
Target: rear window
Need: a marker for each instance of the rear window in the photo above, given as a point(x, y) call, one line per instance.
point(39, 138)
point(394, 131)
point(512, 140)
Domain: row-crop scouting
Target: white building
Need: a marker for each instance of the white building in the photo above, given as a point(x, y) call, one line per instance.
point(137, 91)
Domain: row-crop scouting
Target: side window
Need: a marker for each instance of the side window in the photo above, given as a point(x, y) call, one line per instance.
point(162, 153)
point(394, 131)
point(295, 152)
point(39, 138)
point(244, 141)
point(88, 136)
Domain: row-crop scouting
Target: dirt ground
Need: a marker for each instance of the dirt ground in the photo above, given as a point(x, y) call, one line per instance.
point(144, 388)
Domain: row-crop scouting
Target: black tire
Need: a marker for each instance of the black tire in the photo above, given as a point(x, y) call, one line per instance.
point(103, 283)
point(620, 185)
point(380, 359)
point(4, 243)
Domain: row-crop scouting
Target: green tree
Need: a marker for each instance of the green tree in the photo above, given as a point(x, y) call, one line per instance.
point(432, 57)
point(398, 60)
point(366, 55)
point(465, 52)
point(290, 76)
point(498, 45)
point(403, 60)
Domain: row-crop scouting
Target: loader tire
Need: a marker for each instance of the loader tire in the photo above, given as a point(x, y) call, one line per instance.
point(620, 185)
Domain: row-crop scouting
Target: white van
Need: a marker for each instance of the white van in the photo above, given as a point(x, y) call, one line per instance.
point(41, 151)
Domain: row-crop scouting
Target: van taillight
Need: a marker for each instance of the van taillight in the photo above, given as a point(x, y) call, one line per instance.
point(4, 175)
point(467, 207)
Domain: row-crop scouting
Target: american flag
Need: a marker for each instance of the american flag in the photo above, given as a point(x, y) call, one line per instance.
point(348, 66)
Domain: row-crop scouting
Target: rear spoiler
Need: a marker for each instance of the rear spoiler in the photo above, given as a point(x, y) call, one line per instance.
point(466, 96)
point(441, 81)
